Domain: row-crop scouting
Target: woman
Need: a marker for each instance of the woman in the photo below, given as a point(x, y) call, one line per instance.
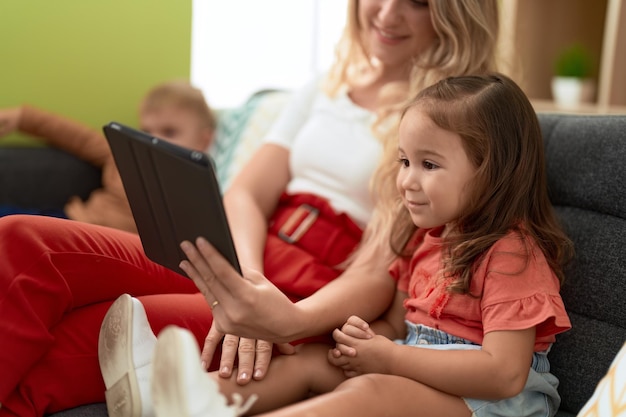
point(59, 277)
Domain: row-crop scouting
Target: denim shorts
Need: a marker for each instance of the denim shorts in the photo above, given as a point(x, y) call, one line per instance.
point(539, 398)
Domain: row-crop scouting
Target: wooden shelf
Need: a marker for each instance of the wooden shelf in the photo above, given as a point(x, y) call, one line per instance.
point(612, 85)
point(533, 32)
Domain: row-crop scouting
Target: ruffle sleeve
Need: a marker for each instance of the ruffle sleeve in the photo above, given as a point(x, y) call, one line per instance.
point(544, 311)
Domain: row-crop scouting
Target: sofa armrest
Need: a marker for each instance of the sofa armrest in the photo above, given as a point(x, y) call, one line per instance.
point(43, 177)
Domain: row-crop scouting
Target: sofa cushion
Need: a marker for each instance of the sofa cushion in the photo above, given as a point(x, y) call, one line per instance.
point(241, 130)
point(91, 410)
point(609, 397)
point(586, 178)
point(44, 177)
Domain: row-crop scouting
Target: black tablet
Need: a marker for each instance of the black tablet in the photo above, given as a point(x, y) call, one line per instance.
point(173, 194)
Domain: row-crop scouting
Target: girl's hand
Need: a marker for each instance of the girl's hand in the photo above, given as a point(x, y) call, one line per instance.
point(358, 350)
point(355, 327)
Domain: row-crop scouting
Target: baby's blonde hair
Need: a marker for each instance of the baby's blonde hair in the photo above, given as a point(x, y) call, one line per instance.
point(179, 94)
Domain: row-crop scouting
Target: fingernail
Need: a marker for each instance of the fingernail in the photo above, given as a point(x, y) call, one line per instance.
point(243, 376)
point(203, 365)
point(224, 370)
point(258, 373)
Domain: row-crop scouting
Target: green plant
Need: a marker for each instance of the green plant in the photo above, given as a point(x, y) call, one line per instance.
point(573, 61)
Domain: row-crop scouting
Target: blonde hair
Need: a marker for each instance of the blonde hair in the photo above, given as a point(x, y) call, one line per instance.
point(467, 32)
point(180, 94)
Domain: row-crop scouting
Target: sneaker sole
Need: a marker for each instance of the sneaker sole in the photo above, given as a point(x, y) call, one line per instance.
point(116, 361)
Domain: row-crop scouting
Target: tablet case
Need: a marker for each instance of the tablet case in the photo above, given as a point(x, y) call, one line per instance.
point(173, 194)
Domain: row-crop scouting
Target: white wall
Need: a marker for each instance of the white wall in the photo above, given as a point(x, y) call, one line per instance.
point(241, 46)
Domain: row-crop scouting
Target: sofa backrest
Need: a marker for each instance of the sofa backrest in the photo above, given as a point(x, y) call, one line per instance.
point(240, 131)
point(586, 163)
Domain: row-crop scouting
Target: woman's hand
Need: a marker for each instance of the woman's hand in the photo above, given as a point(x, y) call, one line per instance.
point(250, 307)
point(214, 277)
point(254, 355)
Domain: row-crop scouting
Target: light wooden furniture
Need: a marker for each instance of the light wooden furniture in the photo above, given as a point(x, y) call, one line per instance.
point(533, 32)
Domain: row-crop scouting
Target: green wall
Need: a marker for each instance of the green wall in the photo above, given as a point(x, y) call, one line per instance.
point(91, 60)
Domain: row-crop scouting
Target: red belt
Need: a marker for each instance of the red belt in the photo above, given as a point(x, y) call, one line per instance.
point(307, 243)
point(310, 223)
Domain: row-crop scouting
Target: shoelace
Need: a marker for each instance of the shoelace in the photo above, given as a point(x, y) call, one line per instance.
point(240, 406)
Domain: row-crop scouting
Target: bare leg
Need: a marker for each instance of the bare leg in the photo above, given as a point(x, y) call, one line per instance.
point(180, 387)
point(376, 395)
point(291, 378)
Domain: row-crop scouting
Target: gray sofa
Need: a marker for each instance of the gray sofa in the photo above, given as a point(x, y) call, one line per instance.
point(586, 158)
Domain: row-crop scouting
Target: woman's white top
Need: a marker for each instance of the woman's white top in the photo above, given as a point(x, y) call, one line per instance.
point(333, 152)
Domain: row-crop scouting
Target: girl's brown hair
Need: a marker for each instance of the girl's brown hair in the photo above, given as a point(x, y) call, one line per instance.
point(502, 138)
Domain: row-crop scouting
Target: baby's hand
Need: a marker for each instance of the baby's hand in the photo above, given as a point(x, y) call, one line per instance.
point(9, 119)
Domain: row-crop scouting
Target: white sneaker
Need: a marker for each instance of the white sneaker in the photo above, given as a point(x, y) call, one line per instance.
point(180, 387)
point(125, 351)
